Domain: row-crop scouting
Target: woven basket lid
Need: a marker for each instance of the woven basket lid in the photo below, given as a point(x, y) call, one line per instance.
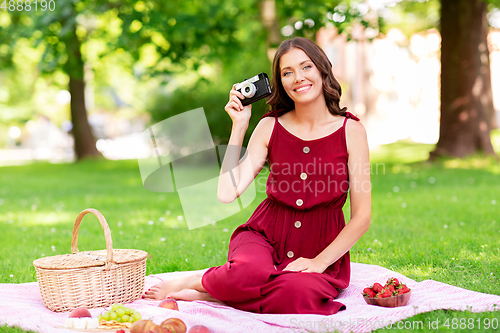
point(87, 259)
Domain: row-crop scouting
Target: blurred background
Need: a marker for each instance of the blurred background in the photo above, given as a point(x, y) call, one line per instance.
point(82, 79)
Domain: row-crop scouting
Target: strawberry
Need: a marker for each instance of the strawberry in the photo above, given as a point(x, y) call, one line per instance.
point(385, 293)
point(393, 281)
point(404, 289)
point(389, 287)
point(368, 292)
point(377, 287)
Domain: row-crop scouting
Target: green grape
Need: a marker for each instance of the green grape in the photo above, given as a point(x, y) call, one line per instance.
point(99, 317)
point(125, 318)
point(120, 312)
point(114, 307)
point(131, 319)
point(105, 316)
point(137, 317)
point(113, 315)
point(128, 310)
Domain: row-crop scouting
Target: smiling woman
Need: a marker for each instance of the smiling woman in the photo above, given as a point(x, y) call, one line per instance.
point(292, 255)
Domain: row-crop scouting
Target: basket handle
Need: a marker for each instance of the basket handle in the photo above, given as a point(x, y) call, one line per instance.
point(105, 228)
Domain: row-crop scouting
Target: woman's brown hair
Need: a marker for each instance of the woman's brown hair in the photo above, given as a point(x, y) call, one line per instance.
point(279, 99)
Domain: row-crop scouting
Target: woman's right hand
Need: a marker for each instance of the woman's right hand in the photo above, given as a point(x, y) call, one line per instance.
point(239, 114)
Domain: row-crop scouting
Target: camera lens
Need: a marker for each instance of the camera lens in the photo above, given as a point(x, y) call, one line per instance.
point(248, 90)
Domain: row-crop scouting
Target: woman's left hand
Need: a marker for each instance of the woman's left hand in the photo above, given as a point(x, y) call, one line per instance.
point(305, 265)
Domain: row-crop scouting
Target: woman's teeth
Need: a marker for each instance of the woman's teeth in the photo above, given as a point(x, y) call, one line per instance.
point(302, 89)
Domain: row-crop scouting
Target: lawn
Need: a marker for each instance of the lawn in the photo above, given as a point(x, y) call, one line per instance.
point(435, 221)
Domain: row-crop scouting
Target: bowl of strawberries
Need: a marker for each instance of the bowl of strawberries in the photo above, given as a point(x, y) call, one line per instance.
point(390, 295)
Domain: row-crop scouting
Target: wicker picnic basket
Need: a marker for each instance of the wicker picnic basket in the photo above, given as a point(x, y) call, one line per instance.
point(91, 279)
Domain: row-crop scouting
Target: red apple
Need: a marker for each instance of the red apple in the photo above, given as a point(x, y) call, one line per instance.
point(80, 313)
point(143, 326)
point(199, 329)
point(163, 330)
point(169, 303)
point(174, 325)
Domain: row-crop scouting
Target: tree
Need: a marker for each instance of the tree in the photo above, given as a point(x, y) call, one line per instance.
point(466, 97)
point(467, 113)
point(85, 143)
point(56, 27)
point(174, 35)
point(184, 35)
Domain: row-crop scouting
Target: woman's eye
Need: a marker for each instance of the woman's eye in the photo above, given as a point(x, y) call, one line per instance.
point(307, 67)
point(287, 73)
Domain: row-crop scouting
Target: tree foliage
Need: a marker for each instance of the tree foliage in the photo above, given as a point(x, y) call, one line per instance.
point(185, 48)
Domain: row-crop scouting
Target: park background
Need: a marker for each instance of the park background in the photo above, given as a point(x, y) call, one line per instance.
point(81, 81)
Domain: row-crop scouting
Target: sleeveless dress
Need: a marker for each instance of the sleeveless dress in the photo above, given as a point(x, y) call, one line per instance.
point(302, 214)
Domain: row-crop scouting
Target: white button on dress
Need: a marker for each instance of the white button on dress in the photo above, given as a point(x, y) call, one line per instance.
point(289, 254)
point(299, 202)
point(303, 176)
point(306, 150)
point(297, 224)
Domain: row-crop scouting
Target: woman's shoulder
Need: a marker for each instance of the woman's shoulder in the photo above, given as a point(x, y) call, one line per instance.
point(354, 126)
point(264, 129)
point(355, 135)
point(266, 123)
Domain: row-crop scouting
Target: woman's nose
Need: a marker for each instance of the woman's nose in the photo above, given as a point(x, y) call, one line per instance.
point(299, 78)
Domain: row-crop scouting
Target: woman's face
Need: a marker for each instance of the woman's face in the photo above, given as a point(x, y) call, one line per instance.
point(300, 78)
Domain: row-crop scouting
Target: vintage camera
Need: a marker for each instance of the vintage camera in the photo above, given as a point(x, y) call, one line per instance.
point(254, 88)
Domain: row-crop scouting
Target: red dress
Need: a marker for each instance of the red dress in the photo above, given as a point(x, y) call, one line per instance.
point(302, 214)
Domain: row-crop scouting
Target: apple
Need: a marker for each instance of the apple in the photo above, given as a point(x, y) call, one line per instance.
point(80, 313)
point(169, 303)
point(163, 330)
point(143, 326)
point(174, 325)
point(199, 329)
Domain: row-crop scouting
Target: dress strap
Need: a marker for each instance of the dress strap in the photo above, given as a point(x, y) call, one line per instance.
point(349, 115)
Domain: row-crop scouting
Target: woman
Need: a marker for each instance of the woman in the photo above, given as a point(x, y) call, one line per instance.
point(292, 254)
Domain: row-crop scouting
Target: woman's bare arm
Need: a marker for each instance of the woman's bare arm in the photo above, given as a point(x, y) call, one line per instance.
point(236, 175)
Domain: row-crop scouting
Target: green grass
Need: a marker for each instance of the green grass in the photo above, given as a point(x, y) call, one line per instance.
point(435, 221)
point(7, 329)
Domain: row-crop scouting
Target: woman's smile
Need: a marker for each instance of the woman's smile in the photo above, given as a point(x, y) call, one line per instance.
point(303, 88)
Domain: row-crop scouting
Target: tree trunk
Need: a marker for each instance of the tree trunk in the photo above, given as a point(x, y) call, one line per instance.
point(466, 99)
point(85, 143)
point(269, 19)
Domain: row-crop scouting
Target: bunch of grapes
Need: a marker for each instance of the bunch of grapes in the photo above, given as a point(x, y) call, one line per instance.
point(121, 314)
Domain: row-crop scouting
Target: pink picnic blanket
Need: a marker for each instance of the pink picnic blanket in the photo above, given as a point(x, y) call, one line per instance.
point(21, 305)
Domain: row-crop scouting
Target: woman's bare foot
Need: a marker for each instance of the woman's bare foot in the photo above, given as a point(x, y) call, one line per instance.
point(192, 295)
point(161, 290)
